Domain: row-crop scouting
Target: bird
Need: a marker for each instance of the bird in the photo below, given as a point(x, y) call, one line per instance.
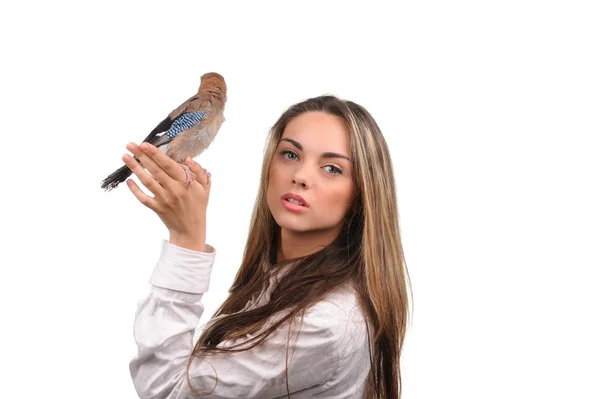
point(188, 130)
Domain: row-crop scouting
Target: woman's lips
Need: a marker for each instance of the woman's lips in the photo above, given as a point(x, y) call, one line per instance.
point(293, 207)
point(294, 197)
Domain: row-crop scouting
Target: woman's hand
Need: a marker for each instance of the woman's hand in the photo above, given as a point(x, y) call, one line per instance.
point(182, 210)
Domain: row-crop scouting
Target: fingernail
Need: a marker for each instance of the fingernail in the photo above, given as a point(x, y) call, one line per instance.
point(126, 158)
point(131, 147)
point(145, 146)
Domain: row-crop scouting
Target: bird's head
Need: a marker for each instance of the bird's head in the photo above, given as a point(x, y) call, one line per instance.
point(214, 81)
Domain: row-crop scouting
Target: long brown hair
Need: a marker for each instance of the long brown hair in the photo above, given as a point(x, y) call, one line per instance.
point(368, 253)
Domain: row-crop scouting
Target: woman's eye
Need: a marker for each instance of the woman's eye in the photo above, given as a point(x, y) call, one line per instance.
point(333, 170)
point(291, 156)
point(285, 154)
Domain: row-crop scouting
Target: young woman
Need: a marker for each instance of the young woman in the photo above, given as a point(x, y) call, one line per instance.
point(319, 306)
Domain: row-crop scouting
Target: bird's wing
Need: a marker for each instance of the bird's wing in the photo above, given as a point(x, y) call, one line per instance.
point(157, 141)
point(191, 104)
point(184, 122)
point(162, 127)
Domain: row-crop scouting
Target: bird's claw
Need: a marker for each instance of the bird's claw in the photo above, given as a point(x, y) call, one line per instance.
point(189, 175)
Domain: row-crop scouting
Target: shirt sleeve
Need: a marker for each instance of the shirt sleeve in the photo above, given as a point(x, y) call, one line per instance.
point(164, 327)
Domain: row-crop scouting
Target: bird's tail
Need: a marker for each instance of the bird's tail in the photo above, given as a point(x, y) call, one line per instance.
point(118, 176)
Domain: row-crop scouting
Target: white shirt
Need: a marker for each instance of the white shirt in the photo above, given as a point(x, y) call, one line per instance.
point(329, 358)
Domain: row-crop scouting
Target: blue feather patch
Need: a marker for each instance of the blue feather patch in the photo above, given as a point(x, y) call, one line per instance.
point(184, 122)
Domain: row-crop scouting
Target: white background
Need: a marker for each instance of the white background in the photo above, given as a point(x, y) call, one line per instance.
point(491, 113)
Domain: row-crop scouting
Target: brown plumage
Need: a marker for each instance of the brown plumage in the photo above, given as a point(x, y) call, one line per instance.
point(185, 132)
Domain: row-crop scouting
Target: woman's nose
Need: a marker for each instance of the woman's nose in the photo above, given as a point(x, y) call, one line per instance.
point(299, 181)
point(299, 178)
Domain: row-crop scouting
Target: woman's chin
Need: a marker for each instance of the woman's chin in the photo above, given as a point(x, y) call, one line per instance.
point(291, 224)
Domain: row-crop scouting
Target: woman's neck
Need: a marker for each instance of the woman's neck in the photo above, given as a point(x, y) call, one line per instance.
point(294, 245)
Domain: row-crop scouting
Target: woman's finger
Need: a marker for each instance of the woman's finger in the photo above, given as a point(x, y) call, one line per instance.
point(149, 164)
point(147, 180)
point(141, 196)
point(165, 163)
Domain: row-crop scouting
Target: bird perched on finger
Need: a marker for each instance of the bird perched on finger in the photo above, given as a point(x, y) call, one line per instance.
point(188, 130)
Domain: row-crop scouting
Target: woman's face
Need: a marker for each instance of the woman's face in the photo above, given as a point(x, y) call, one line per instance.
point(312, 161)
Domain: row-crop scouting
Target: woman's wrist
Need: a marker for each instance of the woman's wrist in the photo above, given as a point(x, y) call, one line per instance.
point(194, 243)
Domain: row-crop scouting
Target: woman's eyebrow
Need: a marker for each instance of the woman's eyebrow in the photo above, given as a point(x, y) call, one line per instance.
point(324, 155)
